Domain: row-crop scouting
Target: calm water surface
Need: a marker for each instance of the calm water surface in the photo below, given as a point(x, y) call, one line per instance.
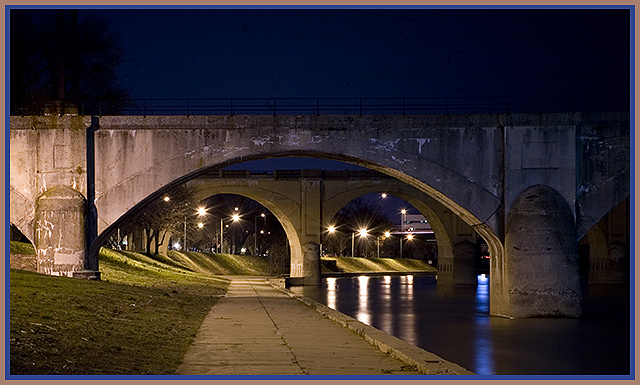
point(455, 324)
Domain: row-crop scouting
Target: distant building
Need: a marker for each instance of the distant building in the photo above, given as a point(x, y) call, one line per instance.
point(413, 223)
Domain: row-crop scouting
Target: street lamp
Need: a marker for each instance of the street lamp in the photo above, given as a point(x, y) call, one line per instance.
point(234, 218)
point(201, 212)
point(255, 232)
point(409, 238)
point(386, 235)
point(403, 219)
point(362, 233)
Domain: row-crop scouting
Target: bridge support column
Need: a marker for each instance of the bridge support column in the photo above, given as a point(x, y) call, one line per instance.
point(539, 274)
point(459, 268)
point(60, 232)
point(305, 268)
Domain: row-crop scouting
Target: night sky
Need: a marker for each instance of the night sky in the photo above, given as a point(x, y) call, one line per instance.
point(231, 53)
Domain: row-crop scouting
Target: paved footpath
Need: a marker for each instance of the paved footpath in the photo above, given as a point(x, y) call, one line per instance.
point(256, 329)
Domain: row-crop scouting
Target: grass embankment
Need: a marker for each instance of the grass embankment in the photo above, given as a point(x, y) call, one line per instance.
point(140, 319)
point(379, 265)
point(21, 248)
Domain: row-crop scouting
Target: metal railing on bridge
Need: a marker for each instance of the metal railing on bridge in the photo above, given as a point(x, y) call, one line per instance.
point(348, 106)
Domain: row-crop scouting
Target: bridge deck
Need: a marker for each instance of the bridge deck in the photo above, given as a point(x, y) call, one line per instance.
point(259, 330)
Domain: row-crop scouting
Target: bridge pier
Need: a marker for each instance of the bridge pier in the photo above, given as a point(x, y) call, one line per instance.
point(539, 274)
point(60, 232)
point(305, 268)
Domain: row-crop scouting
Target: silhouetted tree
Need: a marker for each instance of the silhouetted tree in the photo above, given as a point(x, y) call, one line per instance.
point(57, 57)
point(160, 218)
point(355, 215)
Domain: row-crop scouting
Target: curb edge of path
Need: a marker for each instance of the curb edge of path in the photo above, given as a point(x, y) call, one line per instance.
point(424, 361)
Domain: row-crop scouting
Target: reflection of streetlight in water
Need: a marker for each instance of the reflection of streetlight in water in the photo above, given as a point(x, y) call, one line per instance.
point(483, 357)
point(363, 297)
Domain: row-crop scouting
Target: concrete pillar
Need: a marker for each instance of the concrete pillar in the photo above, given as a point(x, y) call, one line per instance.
point(540, 274)
point(60, 231)
point(459, 268)
point(305, 268)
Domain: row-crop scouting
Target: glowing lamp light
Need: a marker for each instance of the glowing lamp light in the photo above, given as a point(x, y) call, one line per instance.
point(235, 217)
point(331, 229)
point(176, 245)
point(200, 225)
point(202, 211)
point(384, 195)
point(387, 234)
point(362, 232)
point(410, 236)
point(167, 199)
point(403, 211)
point(263, 215)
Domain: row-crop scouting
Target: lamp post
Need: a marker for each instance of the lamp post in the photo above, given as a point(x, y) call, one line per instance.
point(386, 235)
point(409, 238)
point(362, 233)
point(403, 219)
point(255, 232)
point(202, 211)
point(234, 218)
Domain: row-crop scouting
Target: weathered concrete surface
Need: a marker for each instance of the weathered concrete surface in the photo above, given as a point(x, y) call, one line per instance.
point(60, 235)
point(258, 330)
point(540, 273)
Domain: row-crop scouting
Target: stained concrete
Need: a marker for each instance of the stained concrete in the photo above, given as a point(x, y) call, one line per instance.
point(257, 329)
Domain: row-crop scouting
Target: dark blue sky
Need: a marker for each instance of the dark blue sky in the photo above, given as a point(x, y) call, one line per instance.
point(224, 53)
point(361, 52)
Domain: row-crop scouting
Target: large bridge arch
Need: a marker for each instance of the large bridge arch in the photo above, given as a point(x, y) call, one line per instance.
point(422, 202)
point(137, 158)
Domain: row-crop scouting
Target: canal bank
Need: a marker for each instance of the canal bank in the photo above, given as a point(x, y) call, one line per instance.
point(261, 328)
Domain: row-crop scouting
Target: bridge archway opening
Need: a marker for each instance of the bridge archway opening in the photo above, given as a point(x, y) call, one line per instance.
point(377, 225)
point(16, 235)
point(296, 244)
point(489, 237)
point(247, 228)
point(604, 251)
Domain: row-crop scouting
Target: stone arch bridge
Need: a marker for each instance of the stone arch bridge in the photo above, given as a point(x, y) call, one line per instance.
point(532, 185)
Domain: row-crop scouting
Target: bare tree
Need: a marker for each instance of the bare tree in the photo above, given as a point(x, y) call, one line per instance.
point(353, 217)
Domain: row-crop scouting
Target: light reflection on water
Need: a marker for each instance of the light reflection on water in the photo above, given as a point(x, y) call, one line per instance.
point(363, 297)
point(483, 358)
point(454, 323)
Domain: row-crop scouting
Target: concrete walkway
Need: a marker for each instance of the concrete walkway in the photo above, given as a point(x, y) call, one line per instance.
point(257, 329)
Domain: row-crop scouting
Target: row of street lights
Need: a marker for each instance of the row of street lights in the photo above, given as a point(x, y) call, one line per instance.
point(364, 233)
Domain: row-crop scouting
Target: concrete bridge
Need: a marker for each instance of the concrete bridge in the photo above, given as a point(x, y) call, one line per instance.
point(532, 185)
point(306, 202)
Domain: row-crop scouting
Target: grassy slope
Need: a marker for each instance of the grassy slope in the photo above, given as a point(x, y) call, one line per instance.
point(21, 248)
point(224, 264)
point(362, 265)
point(139, 320)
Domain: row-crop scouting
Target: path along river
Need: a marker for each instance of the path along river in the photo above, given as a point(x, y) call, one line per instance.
point(455, 324)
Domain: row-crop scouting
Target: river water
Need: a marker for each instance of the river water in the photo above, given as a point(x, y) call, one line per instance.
point(455, 324)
